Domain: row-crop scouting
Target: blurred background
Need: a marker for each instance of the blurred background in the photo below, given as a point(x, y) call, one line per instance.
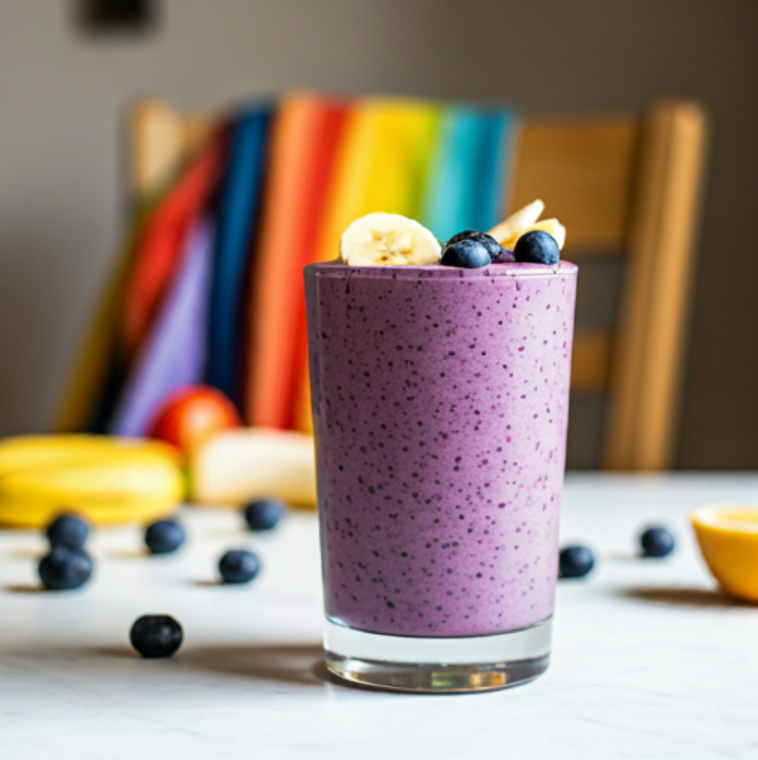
point(64, 85)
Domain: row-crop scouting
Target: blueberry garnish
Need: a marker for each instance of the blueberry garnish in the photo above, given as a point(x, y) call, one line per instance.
point(239, 566)
point(264, 514)
point(69, 531)
point(164, 537)
point(656, 542)
point(65, 569)
point(156, 635)
point(537, 247)
point(505, 256)
point(575, 561)
point(468, 254)
point(493, 247)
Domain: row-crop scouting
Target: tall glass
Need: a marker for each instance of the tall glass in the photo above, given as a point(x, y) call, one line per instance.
point(440, 407)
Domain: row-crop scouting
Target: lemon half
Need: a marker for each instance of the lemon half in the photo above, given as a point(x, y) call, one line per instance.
point(728, 538)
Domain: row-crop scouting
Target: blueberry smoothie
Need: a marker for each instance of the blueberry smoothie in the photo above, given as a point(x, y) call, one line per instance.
point(440, 403)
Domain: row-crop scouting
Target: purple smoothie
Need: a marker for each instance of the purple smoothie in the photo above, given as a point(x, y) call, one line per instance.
point(440, 403)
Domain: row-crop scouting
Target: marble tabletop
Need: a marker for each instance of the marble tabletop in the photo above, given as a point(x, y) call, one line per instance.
point(649, 660)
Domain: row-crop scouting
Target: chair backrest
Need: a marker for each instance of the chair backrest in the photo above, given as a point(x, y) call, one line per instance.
point(626, 187)
point(158, 137)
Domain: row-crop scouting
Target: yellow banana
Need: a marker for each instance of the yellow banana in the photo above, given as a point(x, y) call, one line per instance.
point(107, 480)
point(524, 220)
point(29, 451)
point(518, 222)
point(552, 226)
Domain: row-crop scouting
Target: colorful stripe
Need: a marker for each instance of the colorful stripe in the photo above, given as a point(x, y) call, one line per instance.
point(302, 148)
point(233, 251)
point(470, 170)
point(173, 356)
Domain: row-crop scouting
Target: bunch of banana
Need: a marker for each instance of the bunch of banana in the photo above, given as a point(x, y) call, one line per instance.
point(107, 480)
point(524, 220)
point(239, 465)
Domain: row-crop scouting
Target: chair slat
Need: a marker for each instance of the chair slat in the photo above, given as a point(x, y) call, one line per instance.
point(156, 139)
point(582, 170)
point(652, 327)
point(591, 360)
point(159, 138)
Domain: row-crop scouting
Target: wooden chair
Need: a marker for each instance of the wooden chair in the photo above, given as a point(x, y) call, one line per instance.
point(627, 187)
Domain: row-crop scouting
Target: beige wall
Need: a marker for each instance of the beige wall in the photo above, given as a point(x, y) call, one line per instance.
point(60, 96)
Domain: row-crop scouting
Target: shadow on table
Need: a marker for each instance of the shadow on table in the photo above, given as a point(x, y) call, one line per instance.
point(127, 554)
point(628, 557)
point(294, 664)
point(300, 664)
point(683, 596)
point(32, 554)
point(25, 588)
point(288, 663)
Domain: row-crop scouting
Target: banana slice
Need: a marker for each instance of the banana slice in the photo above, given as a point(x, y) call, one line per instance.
point(238, 465)
point(388, 240)
point(517, 223)
point(552, 226)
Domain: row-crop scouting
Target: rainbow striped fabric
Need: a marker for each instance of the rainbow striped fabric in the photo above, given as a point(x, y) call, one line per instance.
point(209, 289)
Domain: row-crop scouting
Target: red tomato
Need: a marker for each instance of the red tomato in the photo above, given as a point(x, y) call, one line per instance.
point(190, 415)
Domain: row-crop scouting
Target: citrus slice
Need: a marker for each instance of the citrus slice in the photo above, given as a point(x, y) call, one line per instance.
point(728, 538)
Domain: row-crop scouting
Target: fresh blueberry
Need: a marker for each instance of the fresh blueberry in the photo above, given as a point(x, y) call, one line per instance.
point(656, 542)
point(164, 537)
point(493, 247)
point(468, 254)
point(537, 247)
point(239, 566)
point(65, 569)
point(575, 561)
point(264, 514)
point(69, 531)
point(156, 635)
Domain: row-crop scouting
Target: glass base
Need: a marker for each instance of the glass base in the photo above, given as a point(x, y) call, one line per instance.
point(438, 665)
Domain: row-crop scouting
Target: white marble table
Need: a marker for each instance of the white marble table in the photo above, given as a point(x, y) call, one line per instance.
point(648, 661)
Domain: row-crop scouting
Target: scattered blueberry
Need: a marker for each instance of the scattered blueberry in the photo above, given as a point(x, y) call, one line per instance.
point(64, 569)
point(493, 247)
point(537, 247)
point(468, 254)
point(164, 537)
point(264, 514)
point(69, 531)
point(575, 562)
point(239, 566)
point(656, 542)
point(156, 635)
